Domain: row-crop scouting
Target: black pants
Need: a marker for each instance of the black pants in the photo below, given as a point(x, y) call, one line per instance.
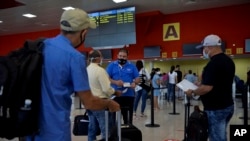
point(126, 104)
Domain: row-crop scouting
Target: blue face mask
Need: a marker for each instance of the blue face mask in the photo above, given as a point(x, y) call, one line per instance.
point(205, 55)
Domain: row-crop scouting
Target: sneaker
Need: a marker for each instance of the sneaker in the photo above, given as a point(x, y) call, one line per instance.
point(134, 114)
point(143, 115)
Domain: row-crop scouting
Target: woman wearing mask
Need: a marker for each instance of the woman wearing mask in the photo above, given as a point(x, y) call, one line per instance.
point(141, 92)
point(156, 81)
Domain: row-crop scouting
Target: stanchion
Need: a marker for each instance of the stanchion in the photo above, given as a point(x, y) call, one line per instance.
point(152, 124)
point(174, 112)
point(186, 116)
point(245, 96)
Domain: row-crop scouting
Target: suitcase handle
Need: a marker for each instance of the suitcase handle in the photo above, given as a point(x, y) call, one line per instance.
point(118, 116)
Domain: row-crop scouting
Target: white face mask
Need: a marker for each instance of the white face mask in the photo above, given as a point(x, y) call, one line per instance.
point(205, 55)
point(100, 62)
point(158, 72)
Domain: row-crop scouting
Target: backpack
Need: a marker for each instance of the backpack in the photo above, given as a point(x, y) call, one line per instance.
point(197, 129)
point(144, 81)
point(20, 90)
point(165, 80)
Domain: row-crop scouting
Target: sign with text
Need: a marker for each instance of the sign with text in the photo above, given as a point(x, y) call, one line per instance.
point(164, 55)
point(239, 132)
point(228, 51)
point(171, 31)
point(239, 50)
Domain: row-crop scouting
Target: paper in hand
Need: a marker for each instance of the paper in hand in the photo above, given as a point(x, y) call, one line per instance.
point(185, 85)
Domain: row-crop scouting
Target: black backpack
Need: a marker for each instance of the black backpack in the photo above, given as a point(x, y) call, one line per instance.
point(20, 90)
point(197, 129)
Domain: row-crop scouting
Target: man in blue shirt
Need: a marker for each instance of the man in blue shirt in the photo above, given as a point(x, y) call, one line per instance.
point(63, 73)
point(124, 77)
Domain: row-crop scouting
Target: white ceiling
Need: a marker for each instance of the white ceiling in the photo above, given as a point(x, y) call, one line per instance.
point(49, 11)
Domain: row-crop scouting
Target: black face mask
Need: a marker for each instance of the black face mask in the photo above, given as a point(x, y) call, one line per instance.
point(82, 41)
point(122, 61)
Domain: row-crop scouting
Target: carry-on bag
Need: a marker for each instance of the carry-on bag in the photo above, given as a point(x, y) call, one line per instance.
point(131, 132)
point(115, 133)
point(80, 126)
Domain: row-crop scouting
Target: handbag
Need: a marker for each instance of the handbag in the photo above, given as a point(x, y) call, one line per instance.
point(81, 123)
point(145, 85)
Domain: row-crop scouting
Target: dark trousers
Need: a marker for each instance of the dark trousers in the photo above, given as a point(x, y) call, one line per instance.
point(126, 104)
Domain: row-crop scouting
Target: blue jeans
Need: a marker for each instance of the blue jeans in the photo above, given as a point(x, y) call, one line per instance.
point(217, 123)
point(140, 94)
point(171, 92)
point(97, 118)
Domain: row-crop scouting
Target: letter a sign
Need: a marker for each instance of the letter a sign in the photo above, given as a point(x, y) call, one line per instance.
point(171, 31)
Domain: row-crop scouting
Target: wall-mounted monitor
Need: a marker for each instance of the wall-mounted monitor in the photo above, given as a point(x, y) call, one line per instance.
point(114, 27)
point(189, 49)
point(152, 51)
point(106, 54)
point(247, 45)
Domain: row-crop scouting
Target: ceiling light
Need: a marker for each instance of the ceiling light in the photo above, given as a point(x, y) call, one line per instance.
point(1, 21)
point(29, 15)
point(119, 1)
point(68, 8)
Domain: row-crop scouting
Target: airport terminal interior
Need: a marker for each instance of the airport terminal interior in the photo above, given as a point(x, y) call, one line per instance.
point(158, 35)
point(170, 120)
point(168, 123)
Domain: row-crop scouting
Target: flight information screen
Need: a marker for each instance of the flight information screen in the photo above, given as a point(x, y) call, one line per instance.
point(114, 27)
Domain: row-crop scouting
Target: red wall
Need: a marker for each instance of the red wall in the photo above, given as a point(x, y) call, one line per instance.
point(231, 23)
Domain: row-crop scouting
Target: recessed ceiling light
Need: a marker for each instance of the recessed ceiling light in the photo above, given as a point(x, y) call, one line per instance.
point(29, 15)
point(68, 8)
point(1, 21)
point(119, 1)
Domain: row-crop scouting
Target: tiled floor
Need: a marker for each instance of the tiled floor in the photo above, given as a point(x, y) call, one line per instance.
point(171, 126)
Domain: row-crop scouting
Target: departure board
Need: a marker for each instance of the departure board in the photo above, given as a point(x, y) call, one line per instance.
point(114, 27)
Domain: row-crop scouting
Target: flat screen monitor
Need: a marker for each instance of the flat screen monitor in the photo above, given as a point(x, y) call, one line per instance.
point(106, 54)
point(189, 49)
point(152, 51)
point(114, 27)
point(247, 45)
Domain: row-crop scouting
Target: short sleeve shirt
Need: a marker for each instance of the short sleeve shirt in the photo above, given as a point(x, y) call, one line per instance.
point(127, 73)
point(219, 73)
point(64, 72)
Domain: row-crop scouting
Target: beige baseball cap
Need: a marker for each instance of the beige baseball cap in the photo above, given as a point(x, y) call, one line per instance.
point(76, 20)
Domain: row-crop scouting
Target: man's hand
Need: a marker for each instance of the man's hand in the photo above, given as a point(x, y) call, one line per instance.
point(113, 106)
point(133, 85)
point(189, 92)
point(119, 83)
point(118, 93)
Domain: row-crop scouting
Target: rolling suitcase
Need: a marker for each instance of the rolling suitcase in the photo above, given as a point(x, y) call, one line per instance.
point(131, 132)
point(116, 132)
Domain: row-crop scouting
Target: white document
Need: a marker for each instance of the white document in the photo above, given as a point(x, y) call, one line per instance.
point(185, 85)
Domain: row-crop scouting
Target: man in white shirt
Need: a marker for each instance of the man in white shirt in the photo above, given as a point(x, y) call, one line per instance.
point(100, 87)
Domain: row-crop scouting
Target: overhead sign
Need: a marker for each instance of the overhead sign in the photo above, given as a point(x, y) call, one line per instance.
point(171, 31)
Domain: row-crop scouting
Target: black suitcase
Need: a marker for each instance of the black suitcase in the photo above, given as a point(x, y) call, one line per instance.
point(116, 132)
point(131, 132)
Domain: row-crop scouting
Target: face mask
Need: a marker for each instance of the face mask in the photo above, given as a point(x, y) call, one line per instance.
point(100, 62)
point(158, 72)
point(205, 55)
point(122, 61)
point(82, 41)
